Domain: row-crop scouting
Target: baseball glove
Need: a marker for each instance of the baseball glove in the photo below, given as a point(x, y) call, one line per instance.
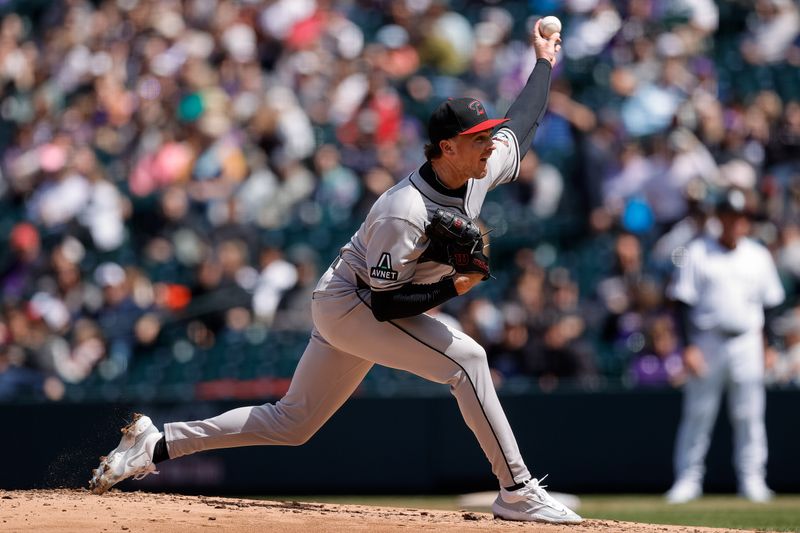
point(456, 241)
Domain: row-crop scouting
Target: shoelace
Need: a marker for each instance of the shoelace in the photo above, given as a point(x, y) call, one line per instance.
point(535, 484)
point(140, 475)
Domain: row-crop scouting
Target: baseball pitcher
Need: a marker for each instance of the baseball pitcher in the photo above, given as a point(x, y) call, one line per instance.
point(418, 247)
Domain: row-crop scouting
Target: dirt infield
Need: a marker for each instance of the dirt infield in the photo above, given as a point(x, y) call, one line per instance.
point(134, 512)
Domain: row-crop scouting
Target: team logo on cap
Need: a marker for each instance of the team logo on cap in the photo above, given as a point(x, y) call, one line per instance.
point(477, 107)
point(384, 269)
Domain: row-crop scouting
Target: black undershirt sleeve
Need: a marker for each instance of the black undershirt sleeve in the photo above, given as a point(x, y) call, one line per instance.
point(411, 299)
point(528, 109)
point(770, 316)
point(682, 322)
point(160, 452)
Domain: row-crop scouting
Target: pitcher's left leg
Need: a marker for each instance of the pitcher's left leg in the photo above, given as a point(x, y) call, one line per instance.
point(426, 347)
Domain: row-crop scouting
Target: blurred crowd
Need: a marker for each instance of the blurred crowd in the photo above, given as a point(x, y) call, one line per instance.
point(186, 168)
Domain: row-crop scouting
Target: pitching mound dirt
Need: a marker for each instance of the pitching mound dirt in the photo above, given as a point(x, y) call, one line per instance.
point(80, 511)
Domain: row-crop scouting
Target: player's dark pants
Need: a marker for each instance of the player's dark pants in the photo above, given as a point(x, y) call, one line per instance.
point(345, 344)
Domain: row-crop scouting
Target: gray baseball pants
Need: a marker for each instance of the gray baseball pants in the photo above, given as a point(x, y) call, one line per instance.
point(345, 343)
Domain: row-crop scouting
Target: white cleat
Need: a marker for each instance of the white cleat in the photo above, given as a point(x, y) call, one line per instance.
point(531, 503)
point(756, 490)
point(684, 491)
point(132, 458)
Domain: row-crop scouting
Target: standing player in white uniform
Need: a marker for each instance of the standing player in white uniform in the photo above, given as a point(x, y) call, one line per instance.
point(723, 286)
point(369, 308)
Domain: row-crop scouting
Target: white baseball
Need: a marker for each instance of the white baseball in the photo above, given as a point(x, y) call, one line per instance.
point(549, 26)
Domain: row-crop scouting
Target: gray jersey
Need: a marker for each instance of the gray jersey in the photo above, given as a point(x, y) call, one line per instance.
point(386, 249)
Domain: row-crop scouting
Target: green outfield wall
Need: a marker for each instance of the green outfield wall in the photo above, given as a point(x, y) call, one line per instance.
point(600, 442)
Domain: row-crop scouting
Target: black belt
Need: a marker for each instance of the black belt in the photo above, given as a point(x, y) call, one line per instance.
point(360, 283)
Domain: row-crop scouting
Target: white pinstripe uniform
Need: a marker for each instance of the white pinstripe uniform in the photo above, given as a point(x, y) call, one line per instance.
point(347, 340)
point(727, 291)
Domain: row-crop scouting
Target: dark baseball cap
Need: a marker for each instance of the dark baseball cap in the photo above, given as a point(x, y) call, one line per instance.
point(738, 201)
point(459, 116)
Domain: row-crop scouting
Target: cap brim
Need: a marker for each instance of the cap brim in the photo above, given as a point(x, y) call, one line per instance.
point(485, 125)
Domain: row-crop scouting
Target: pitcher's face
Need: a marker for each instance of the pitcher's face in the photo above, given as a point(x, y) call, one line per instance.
point(472, 153)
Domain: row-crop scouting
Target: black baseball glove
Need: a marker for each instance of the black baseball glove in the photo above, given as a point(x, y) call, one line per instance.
point(456, 241)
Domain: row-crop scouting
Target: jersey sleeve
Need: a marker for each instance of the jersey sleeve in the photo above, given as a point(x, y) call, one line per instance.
point(504, 161)
point(685, 279)
point(772, 290)
point(392, 253)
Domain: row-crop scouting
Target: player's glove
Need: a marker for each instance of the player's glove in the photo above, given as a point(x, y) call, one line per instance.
point(456, 241)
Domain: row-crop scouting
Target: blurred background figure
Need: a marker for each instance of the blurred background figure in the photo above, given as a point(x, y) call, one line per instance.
point(723, 285)
point(277, 276)
point(659, 363)
point(23, 265)
point(786, 370)
point(116, 317)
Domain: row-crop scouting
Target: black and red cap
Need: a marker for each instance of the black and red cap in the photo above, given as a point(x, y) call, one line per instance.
point(459, 116)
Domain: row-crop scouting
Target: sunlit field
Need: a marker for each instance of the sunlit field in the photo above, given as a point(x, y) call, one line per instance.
point(723, 511)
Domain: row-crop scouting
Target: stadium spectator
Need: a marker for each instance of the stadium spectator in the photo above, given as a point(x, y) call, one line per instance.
point(26, 264)
point(786, 370)
point(508, 356)
point(659, 364)
point(294, 310)
point(277, 276)
point(116, 317)
point(561, 354)
point(772, 27)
